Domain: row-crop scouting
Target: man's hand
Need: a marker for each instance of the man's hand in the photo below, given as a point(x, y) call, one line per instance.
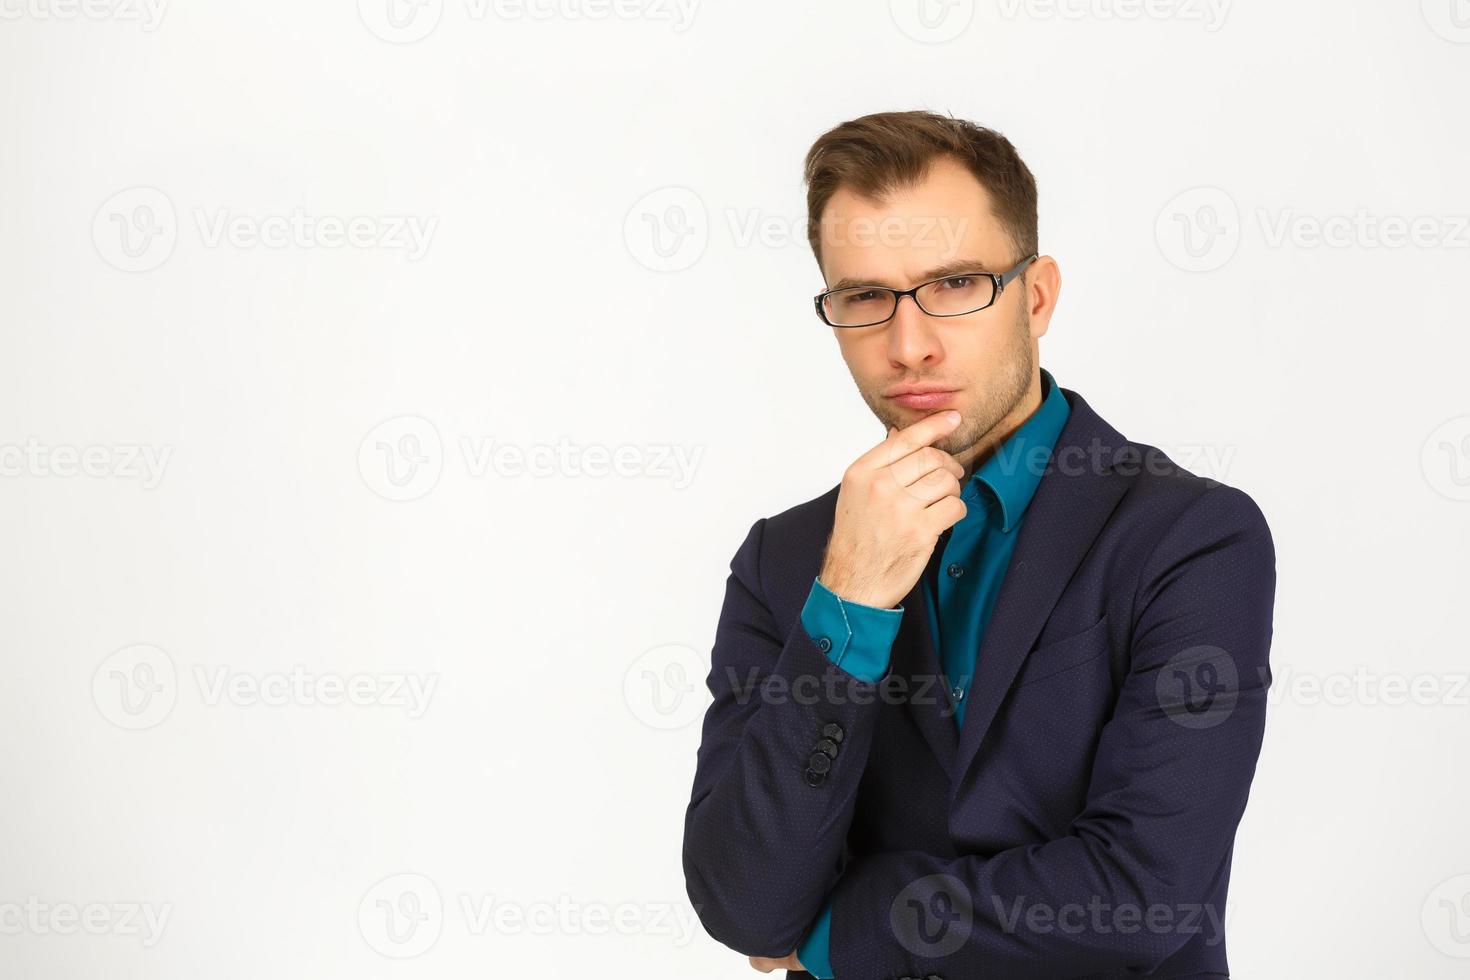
point(765, 964)
point(895, 501)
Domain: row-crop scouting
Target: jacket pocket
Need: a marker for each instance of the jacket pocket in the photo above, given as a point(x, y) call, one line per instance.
point(1064, 654)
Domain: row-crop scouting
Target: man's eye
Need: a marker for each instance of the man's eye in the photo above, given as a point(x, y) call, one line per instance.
point(866, 296)
point(959, 282)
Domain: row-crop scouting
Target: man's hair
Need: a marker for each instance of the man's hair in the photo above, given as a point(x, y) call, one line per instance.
point(885, 151)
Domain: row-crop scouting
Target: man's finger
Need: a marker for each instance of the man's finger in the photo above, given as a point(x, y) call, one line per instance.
point(924, 432)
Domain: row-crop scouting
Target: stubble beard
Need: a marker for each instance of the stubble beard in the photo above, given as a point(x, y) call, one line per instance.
point(993, 403)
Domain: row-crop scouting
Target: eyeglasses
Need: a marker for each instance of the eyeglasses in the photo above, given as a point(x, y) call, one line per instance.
point(868, 306)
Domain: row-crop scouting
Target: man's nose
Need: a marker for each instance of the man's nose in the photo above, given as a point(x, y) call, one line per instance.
point(912, 338)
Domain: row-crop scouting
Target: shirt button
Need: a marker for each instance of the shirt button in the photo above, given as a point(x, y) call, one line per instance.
point(823, 644)
point(955, 569)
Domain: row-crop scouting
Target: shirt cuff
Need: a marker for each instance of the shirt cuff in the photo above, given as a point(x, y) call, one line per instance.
point(813, 952)
point(855, 637)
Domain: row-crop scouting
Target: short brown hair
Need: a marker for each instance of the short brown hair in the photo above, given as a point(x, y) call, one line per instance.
point(883, 151)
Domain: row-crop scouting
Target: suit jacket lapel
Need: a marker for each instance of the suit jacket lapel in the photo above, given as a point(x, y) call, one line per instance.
point(1072, 502)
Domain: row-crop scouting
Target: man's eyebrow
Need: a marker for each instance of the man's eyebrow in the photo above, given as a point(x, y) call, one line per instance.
point(955, 268)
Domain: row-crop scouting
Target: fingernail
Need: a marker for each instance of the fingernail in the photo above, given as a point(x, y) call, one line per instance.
point(954, 417)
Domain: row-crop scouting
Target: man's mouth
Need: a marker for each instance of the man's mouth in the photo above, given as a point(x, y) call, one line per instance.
point(922, 396)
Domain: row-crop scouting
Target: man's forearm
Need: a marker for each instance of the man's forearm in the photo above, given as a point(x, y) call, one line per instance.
point(782, 754)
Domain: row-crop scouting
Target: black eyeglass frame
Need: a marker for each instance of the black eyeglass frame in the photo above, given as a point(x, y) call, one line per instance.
point(998, 278)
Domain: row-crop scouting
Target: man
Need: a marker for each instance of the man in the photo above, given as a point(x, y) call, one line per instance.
point(990, 707)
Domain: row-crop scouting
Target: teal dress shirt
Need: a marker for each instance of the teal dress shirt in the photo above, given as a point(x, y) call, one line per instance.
point(859, 638)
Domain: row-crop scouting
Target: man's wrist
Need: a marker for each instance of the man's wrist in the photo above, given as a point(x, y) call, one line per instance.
point(854, 637)
point(839, 585)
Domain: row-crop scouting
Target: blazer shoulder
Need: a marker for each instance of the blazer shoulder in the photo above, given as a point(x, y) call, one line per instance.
point(783, 552)
point(1167, 490)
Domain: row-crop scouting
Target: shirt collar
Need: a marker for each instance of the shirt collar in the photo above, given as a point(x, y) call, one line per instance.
point(1015, 468)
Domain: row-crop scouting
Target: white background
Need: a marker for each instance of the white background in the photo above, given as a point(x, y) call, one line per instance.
point(612, 255)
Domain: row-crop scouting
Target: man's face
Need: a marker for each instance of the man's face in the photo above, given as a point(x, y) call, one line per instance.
point(987, 358)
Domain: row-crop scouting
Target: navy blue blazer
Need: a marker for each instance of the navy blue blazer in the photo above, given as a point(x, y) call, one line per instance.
point(1082, 822)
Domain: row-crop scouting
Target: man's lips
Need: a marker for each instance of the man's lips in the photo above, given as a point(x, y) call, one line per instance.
point(922, 396)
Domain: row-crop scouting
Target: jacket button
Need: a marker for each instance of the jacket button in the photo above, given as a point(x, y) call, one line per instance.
point(823, 644)
point(828, 746)
point(814, 778)
point(819, 763)
point(833, 731)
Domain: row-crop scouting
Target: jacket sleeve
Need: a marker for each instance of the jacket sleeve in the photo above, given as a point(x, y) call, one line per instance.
point(1169, 784)
point(782, 752)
